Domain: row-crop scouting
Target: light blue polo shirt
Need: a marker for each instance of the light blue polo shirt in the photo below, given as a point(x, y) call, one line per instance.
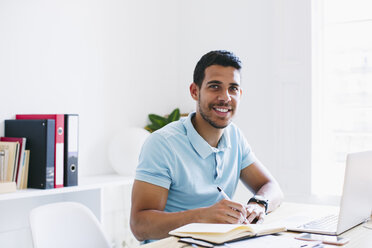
point(177, 158)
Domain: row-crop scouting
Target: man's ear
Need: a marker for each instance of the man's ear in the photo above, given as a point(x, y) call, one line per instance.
point(194, 91)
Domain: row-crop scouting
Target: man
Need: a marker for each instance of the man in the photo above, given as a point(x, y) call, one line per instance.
point(182, 164)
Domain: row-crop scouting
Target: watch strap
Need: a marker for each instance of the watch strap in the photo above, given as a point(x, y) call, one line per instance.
point(265, 203)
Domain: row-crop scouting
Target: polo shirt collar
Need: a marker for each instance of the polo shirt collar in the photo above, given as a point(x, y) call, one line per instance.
point(200, 145)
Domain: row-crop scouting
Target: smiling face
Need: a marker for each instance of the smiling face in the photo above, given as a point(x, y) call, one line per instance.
point(218, 96)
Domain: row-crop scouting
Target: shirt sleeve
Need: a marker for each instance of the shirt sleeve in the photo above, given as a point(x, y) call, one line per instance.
point(248, 156)
point(155, 161)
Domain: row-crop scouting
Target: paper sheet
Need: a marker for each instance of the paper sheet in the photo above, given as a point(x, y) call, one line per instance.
point(208, 228)
point(272, 241)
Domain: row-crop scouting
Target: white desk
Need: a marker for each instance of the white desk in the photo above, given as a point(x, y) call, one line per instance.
point(360, 237)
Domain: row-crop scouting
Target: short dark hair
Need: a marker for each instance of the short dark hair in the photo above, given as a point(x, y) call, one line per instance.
point(218, 57)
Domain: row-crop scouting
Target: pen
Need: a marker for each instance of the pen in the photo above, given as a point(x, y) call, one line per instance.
point(223, 193)
point(228, 198)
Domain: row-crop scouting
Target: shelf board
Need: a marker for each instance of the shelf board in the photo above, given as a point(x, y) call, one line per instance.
point(85, 183)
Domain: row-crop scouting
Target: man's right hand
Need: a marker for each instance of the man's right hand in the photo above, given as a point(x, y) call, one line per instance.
point(149, 221)
point(224, 211)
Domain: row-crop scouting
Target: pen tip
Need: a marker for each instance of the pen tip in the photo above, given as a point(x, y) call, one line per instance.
point(219, 189)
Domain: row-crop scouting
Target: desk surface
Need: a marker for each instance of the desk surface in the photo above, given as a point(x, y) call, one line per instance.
point(360, 237)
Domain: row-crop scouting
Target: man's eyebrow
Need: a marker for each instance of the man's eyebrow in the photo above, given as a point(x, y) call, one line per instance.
point(214, 82)
point(219, 82)
point(235, 84)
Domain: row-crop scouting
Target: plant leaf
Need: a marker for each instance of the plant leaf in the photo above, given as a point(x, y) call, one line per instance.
point(151, 128)
point(158, 120)
point(174, 116)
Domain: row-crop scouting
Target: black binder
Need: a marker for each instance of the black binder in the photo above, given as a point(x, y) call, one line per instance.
point(70, 177)
point(40, 142)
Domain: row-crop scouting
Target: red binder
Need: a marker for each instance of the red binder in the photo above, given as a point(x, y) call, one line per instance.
point(59, 143)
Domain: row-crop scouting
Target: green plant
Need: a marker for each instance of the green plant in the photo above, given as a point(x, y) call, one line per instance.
point(158, 121)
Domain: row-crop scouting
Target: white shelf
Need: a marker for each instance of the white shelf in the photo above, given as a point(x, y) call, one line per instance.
point(16, 206)
point(85, 183)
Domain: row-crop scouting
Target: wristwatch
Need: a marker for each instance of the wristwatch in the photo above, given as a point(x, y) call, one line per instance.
point(260, 200)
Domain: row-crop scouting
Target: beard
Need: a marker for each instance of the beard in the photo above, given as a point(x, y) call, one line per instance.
point(207, 117)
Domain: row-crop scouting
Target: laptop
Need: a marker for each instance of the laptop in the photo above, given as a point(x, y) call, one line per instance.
point(356, 200)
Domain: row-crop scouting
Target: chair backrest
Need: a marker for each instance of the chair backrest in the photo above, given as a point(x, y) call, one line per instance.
point(66, 225)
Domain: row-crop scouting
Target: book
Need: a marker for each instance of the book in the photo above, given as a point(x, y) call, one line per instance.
point(10, 167)
point(24, 174)
point(22, 144)
point(40, 142)
point(4, 153)
point(58, 139)
point(221, 233)
point(70, 177)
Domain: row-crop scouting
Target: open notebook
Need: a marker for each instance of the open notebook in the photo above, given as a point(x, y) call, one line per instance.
point(221, 233)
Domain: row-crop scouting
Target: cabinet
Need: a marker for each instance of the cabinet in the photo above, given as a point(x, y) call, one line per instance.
point(108, 197)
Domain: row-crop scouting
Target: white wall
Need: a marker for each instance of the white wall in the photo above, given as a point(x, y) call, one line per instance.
point(105, 60)
point(113, 62)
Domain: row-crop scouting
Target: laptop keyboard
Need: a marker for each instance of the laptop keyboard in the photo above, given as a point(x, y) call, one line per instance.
point(327, 223)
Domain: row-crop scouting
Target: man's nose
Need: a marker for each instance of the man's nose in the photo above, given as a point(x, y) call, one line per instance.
point(224, 96)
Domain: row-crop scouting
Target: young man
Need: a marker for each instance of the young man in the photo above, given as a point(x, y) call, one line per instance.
point(182, 164)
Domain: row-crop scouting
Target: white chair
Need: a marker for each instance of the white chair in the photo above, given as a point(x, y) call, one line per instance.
point(66, 225)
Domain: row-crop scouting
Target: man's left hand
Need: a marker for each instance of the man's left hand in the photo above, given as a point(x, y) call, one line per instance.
point(256, 212)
